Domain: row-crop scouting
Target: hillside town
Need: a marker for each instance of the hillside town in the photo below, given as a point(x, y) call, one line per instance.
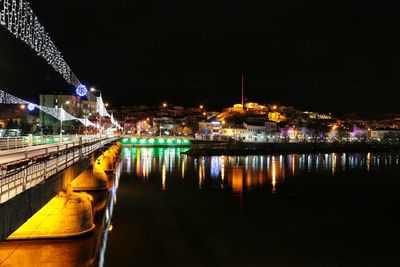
point(253, 122)
point(246, 122)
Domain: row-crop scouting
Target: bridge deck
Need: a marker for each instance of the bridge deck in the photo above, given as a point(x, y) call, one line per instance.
point(7, 156)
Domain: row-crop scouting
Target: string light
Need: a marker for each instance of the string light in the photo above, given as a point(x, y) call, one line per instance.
point(81, 90)
point(18, 18)
point(31, 107)
point(100, 108)
point(58, 113)
point(6, 98)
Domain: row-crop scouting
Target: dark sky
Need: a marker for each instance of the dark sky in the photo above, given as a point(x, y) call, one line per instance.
point(342, 56)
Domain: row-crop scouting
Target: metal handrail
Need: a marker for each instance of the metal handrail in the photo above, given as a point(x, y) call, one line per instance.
point(12, 143)
point(8, 143)
point(34, 171)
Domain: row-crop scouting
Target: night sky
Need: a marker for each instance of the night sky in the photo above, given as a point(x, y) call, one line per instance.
point(338, 56)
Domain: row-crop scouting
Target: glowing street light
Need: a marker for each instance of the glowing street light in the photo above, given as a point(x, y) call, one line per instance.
point(22, 106)
point(164, 105)
point(201, 106)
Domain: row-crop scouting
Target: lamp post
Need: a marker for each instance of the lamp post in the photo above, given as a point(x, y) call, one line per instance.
point(86, 117)
point(62, 117)
point(92, 89)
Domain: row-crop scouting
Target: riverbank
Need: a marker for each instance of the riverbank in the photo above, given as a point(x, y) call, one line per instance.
point(225, 148)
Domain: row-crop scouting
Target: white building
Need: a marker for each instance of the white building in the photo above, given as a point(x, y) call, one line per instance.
point(385, 134)
point(236, 133)
point(255, 133)
point(261, 132)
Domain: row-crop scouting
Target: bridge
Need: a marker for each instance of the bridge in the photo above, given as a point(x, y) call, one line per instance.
point(24, 147)
point(32, 173)
point(155, 141)
point(33, 169)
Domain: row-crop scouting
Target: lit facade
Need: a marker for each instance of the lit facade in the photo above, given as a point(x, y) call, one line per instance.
point(70, 103)
point(385, 134)
point(276, 117)
point(264, 132)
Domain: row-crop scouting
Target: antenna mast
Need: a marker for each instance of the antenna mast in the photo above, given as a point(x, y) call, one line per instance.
point(242, 89)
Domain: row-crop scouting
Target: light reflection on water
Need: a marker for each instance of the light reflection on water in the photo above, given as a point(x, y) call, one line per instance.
point(253, 207)
point(246, 172)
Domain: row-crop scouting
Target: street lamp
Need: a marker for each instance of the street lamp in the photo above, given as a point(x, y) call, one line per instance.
point(92, 89)
point(86, 117)
point(62, 117)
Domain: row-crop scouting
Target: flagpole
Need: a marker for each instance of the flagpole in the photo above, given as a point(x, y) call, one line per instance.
point(242, 89)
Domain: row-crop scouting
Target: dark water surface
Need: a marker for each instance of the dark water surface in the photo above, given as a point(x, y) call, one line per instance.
point(294, 210)
point(168, 209)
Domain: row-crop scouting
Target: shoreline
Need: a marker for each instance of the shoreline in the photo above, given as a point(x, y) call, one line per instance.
point(289, 148)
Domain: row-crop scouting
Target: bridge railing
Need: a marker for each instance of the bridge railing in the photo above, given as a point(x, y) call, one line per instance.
point(12, 142)
point(8, 143)
point(30, 172)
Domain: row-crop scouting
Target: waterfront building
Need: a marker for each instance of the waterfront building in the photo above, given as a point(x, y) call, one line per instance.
point(252, 132)
point(165, 125)
point(209, 129)
point(237, 133)
point(73, 105)
point(255, 132)
point(385, 134)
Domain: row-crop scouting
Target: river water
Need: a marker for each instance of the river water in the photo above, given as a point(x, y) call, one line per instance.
point(169, 209)
point(276, 210)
